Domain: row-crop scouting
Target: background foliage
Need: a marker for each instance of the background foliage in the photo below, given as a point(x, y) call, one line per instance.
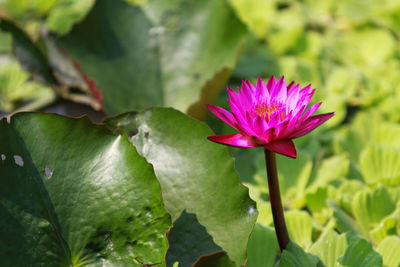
point(341, 194)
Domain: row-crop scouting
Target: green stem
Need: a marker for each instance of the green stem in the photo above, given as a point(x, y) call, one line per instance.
point(275, 199)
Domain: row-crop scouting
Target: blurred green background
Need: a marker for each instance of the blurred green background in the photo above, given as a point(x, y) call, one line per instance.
point(183, 53)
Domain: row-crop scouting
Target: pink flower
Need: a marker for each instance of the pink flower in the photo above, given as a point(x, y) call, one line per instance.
point(269, 115)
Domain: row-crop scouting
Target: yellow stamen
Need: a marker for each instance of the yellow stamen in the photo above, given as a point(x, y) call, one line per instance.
point(265, 110)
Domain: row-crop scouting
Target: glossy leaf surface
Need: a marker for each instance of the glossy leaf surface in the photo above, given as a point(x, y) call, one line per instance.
point(74, 193)
point(196, 175)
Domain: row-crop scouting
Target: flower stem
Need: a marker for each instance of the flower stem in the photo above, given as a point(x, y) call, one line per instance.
point(275, 199)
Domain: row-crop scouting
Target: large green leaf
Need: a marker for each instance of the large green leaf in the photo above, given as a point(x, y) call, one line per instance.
point(196, 175)
point(74, 193)
point(121, 55)
point(174, 53)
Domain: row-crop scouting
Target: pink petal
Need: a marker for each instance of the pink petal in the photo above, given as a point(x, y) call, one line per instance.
point(250, 86)
point(223, 114)
point(270, 134)
point(261, 125)
point(261, 90)
point(284, 146)
point(293, 97)
point(233, 96)
point(237, 140)
point(310, 124)
point(247, 94)
point(271, 83)
point(309, 112)
point(290, 86)
point(279, 92)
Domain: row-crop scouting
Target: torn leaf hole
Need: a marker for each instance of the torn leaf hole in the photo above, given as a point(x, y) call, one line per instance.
point(48, 172)
point(19, 160)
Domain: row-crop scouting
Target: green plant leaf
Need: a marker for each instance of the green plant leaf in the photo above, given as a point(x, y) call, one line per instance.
point(295, 256)
point(65, 13)
point(380, 164)
point(370, 207)
point(218, 259)
point(286, 32)
point(293, 180)
point(174, 53)
point(256, 14)
point(386, 227)
point(331, 169)
point(389, 249)
point(369, 54)
point(329, 247)
point(299, 225)
point(15, 88)
point(262, 245)
point(344, 222)
point(196, 175)
point(188, 241)
point(317, 201)
point(27, 52)
point(74, 193)
point(346, 193)
point(360, 253)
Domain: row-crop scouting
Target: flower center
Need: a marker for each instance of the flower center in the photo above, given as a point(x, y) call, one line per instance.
point(265, 109)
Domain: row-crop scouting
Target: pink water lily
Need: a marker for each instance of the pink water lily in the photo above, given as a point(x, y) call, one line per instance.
point(269, 115)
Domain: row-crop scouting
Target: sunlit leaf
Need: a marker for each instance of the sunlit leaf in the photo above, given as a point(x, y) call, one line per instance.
point(380, 164)
point(329, 248)
point(299, 225)
point(295, 256)
point(360, 253)
point(370, 207)
point(389, 249)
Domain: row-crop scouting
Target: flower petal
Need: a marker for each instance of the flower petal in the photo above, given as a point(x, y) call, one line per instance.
point(290, 86)
point(237, 140)
point(293, 97)
point(246, 94)
point(223, 114)
point(310, 124)
point(261, 91)
point(309, 112)
point(271, 83)
point(285, 147)
point(279, 91)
